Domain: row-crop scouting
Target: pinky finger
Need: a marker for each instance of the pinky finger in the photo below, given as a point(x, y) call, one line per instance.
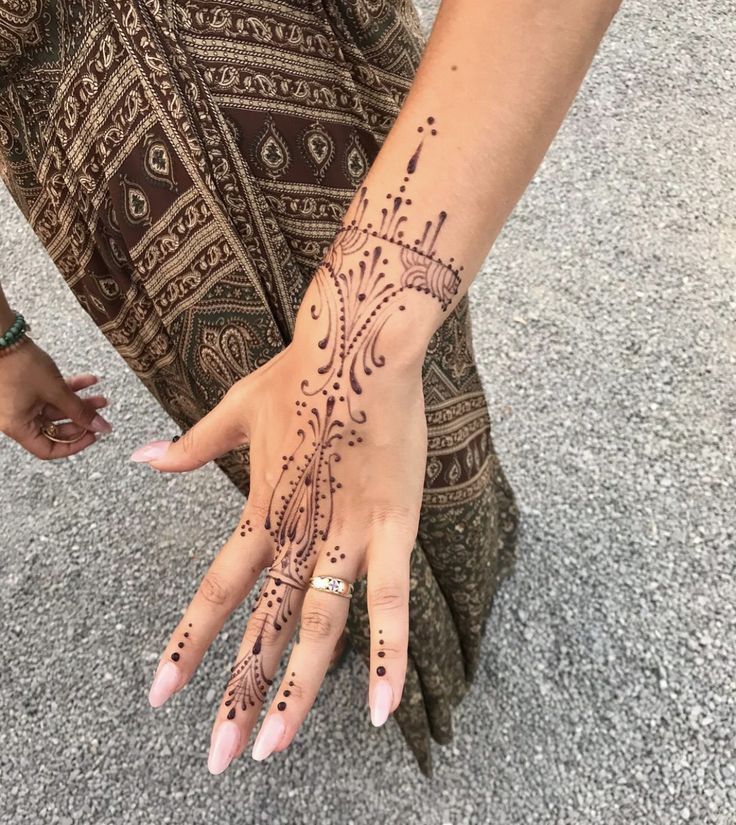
point(388, 610)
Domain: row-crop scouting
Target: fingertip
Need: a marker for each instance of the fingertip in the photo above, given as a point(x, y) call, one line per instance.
point(225, 743)
point(165, 684)
point(269, 736)
point(381, 703)
point(153, 451)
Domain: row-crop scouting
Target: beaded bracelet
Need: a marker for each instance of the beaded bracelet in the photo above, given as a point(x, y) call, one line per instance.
point(15, 336)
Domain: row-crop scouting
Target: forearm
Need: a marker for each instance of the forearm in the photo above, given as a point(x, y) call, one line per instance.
point(494, 85)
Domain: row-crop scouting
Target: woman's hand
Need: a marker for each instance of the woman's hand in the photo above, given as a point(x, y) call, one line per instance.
point(33, 392)
point(337, 470)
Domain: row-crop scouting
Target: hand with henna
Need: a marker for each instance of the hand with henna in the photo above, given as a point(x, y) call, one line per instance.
point(337, 435)
point(335, 423)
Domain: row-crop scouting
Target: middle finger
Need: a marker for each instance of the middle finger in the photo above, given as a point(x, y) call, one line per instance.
point(322, 622)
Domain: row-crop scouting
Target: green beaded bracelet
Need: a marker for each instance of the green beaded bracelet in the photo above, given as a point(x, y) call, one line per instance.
point(16, 332)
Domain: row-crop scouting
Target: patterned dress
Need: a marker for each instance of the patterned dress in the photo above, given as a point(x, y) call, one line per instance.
point(186, 163)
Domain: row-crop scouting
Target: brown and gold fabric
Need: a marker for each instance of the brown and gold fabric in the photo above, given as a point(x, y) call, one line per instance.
point(186, 163)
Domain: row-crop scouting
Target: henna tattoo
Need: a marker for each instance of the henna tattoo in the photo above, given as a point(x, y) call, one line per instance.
point(366, 276)
point(176, 655)
point(381, 653)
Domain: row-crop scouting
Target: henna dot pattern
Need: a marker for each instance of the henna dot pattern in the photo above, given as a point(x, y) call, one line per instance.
point(175, 656)
point(381, 256)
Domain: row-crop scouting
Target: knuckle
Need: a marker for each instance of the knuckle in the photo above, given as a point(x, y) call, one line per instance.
point(390, 652)
point(292, 689)
point(399, 516)
point(261, 629)
point(214, 590)
point(386, 597)
point(316, 624)
point(256, 509)
point(236, 392)
point(187, 442)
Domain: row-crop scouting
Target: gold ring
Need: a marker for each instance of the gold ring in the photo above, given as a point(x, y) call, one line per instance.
point(51, 431)
point(331, 584)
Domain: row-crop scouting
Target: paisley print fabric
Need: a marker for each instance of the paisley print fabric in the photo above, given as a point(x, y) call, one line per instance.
point(186, 163)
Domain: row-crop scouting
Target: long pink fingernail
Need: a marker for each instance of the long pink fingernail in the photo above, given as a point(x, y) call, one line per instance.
point(382, 699)
point(165, 683)
point(99, 425)
point(150, 452)
point(224, 747)
point(268, 737)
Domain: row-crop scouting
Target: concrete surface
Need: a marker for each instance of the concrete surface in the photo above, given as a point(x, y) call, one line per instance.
point(605, 331)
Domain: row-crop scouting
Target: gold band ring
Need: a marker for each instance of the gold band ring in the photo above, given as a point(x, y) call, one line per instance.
point(331, 584)
point(51, 431)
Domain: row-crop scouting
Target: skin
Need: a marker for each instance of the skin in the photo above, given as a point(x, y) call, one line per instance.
point(494, 85)
point(32, 390)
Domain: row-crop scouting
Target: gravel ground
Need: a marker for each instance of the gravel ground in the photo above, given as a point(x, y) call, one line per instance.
point(604, 327)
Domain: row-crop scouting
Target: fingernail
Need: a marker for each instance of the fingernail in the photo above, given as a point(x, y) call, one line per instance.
point(268, 737)
point(150, 452)
point(381, 701)
point(99, 425)
point(223, 747)
point(164, 684)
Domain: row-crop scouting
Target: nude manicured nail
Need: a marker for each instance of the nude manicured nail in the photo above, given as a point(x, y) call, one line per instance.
point(381, 700)
point(268, 737)
point(164, 685)
point(224, 746)
point(99, 425)
point(150, 452)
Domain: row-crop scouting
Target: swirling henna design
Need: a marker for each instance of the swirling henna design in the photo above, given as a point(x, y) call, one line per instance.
point(359, 285)
point(354, 298)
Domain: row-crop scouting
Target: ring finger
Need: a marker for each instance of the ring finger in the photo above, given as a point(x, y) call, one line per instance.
point(269, 629)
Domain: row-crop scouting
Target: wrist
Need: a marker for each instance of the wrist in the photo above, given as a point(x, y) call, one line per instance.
point(14, 336)
point(371, 300)
point(7, 317)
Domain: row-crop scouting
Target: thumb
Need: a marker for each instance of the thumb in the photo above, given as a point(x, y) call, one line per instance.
point(78, 410)
point(221, 430)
